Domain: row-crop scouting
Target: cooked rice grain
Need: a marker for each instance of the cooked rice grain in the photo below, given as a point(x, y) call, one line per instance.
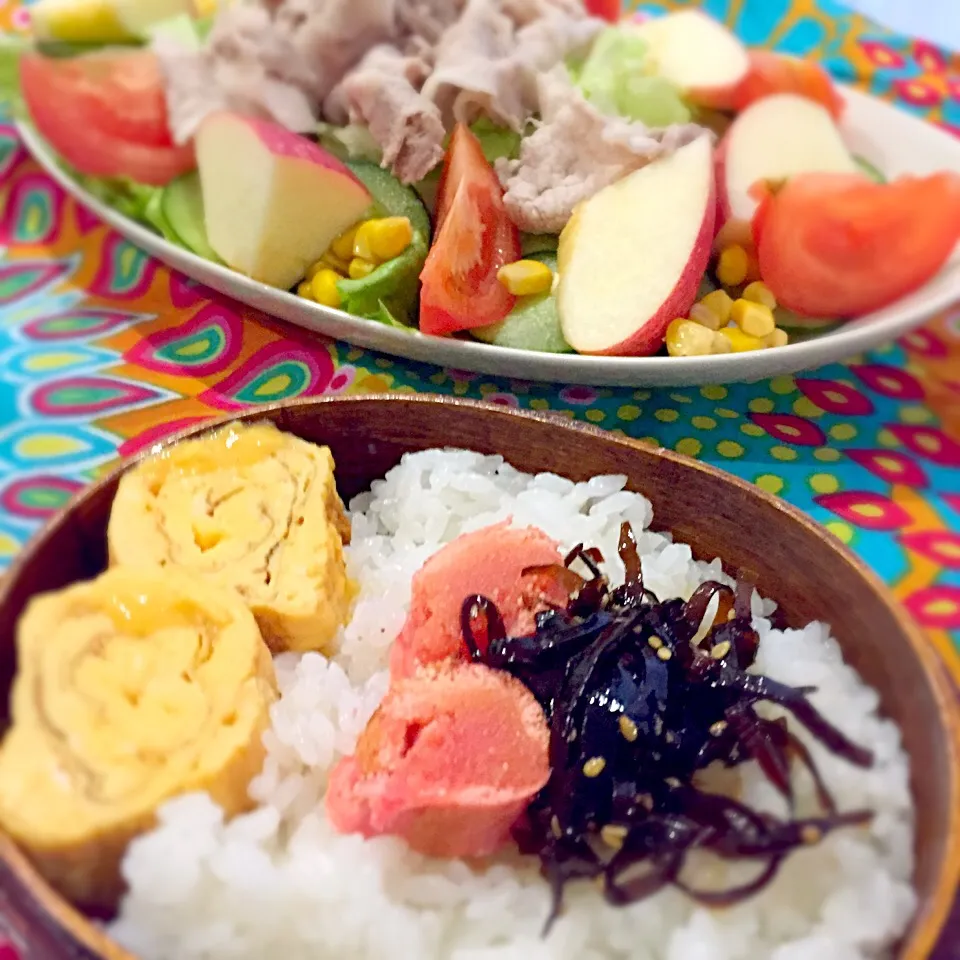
point(279, 883)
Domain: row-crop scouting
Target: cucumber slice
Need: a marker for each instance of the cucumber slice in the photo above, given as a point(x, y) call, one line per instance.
point(183, 210)
point(533, 324)
point(794, 323)
point(391, 196)
point(867, 168)
point(534, 243)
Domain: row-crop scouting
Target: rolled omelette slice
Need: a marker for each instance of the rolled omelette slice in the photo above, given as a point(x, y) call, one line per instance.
point(131, 689)
point(248, 507)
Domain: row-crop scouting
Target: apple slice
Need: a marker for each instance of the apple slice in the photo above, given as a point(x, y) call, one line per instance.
point(273, 200)
point(697, 53)
point(632, 256)
point(774, 138)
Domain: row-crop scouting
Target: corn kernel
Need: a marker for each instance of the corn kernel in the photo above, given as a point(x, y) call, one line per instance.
point(754, 319)
point(705, 317)
point(740, 342)
point(329, 261)
point(323, 287)
point(360, 268)
point(778, 338)
point(719, 303)
point(524, 278)
point(342, 247)
point(732, 265)
point(759, 292)
point(380, 240)
point(684, 338)
point(305, 290)
point(734, 232)
point(720, 343)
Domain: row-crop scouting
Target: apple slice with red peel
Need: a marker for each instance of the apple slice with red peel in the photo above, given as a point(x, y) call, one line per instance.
point(697, 53)
point(775, 138)
point(632, 256)
point(273, 200)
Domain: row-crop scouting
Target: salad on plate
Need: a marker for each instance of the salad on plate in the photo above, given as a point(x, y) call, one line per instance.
point(535, 174)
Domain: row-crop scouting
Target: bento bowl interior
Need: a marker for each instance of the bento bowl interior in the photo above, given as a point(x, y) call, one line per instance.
point(791, 559)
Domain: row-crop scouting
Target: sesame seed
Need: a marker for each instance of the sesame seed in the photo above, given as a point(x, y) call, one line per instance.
point(672, 782)
point(811, 834)
point(720, 650)
point(594, 767)
point(555, 827)
point(717, 728)
point(664, 653)
point(613, 835)
point(645, 801)
point(657, 725)
point(731, 614)
point(655, 642)
point(669, 737)
point(628, 728)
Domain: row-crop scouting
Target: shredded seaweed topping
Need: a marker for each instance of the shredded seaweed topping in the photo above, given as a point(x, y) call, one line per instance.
point(641, 696)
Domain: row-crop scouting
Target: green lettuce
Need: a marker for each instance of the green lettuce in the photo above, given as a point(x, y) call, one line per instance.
point(617, 79)
point(389, 294)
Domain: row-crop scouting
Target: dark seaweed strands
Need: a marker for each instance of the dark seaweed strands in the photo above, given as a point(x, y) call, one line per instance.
point(636, 709)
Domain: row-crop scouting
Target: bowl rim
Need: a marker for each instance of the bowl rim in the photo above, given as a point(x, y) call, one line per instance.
point(928, 925)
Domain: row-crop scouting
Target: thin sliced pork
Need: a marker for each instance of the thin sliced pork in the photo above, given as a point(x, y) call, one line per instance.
point(575, 152)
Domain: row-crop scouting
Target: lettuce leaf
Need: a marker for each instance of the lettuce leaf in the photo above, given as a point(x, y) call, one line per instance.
point(390, 293)
point(618, 79)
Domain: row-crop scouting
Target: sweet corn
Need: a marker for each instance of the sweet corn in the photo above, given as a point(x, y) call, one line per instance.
point(778, 338)
point(305, 290)
point(329, 261)
point(739, 341)
point(685, 338)
point(732, 265)
point(524, 278)
point(720, 343)
point(719, 302)
point(360, 268)
point(380, 240)
point(759, 292)
point(702, 314)
point(323, 287)
point(754, 319)
point(342, 247)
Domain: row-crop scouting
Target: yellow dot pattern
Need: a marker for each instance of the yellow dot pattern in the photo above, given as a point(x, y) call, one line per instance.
point(769, 482)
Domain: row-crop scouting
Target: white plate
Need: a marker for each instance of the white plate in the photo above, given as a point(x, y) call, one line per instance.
point(891, 139)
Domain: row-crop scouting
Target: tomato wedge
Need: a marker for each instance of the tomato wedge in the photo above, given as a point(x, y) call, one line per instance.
point(839, 245)
point(474, 238)
point(608, 10)
point(772, 73)
point(105, 114)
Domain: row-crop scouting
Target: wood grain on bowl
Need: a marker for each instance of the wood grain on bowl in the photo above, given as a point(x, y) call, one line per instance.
point(791, 558)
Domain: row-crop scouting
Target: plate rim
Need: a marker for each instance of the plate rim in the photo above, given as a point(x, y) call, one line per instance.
point(508, 362)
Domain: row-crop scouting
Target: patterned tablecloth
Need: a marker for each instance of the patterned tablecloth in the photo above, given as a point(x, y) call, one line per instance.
point(103, 350)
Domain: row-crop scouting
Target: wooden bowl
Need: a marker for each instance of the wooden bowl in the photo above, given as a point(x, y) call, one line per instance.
point(809, 573)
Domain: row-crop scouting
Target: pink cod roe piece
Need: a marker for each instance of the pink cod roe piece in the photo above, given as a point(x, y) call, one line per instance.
point(449, 762)
point(489, 562)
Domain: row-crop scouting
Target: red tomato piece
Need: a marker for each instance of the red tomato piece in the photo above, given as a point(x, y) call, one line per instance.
point(474, 239)
point(772, 73)
point(609, 10)
point(841, 245)
point(105, 114)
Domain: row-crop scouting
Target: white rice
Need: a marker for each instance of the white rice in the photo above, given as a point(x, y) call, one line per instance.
point(280, 883)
